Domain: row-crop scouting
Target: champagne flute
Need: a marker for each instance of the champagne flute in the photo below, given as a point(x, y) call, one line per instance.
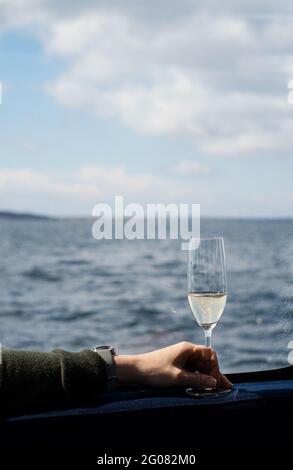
point(207, 284)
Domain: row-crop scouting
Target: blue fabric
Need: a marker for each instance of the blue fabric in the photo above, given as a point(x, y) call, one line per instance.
point(143, 400)
point(252, 415)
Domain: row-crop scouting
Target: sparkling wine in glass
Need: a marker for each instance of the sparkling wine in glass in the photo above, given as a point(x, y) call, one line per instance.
point(207, 283)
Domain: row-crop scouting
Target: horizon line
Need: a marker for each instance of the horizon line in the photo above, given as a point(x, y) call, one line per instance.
point(36, 215)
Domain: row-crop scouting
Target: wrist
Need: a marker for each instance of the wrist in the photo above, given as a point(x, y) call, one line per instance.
point(127, 369)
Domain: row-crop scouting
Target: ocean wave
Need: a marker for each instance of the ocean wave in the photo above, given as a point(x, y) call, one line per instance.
point(39, 274)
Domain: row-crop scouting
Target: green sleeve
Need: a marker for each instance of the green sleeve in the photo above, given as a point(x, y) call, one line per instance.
point(34, 381)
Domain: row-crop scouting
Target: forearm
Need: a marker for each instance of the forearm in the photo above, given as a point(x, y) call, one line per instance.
point(32, 381)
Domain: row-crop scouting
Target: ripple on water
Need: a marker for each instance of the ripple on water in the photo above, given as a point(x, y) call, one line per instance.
point(39, 274)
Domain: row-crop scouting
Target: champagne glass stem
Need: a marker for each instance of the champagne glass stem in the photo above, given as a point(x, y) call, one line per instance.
point(208, 338)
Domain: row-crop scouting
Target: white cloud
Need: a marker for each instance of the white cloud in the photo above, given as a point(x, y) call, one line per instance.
point(89, 181)
point(76, 192)
point(33, 182)
point(216, 74)
point(190, 168)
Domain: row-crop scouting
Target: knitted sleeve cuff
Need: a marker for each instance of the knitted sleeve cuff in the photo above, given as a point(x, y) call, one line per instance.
point(83, 374)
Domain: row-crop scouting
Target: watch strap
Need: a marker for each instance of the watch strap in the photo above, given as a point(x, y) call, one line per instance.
point(107, 353)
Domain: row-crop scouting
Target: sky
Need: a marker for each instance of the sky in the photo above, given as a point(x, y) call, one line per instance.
point(164, 101)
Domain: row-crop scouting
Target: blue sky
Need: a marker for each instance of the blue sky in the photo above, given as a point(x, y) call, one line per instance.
point(185, 107)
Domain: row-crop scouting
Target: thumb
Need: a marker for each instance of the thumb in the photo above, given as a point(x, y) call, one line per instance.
point(196, 380)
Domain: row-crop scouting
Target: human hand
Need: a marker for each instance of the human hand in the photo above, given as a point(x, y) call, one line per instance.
point(183, 364)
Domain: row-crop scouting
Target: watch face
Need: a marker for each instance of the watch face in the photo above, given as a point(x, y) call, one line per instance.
point(106, 348)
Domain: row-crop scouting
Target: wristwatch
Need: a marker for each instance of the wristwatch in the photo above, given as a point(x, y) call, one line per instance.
point(107, 353)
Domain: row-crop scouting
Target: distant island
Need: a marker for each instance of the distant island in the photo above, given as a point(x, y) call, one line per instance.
point(23, 215)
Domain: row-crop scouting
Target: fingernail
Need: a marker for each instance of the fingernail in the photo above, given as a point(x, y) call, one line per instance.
point(211, 382)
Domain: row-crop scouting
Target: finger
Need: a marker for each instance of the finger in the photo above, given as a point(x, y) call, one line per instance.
point(212, 367)
point(204, 361)
point(215, 368)
point(198, 356)
point(196, 380)
point(224, 382)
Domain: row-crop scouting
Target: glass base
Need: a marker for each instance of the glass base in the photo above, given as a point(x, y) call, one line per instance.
point(207, 392)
